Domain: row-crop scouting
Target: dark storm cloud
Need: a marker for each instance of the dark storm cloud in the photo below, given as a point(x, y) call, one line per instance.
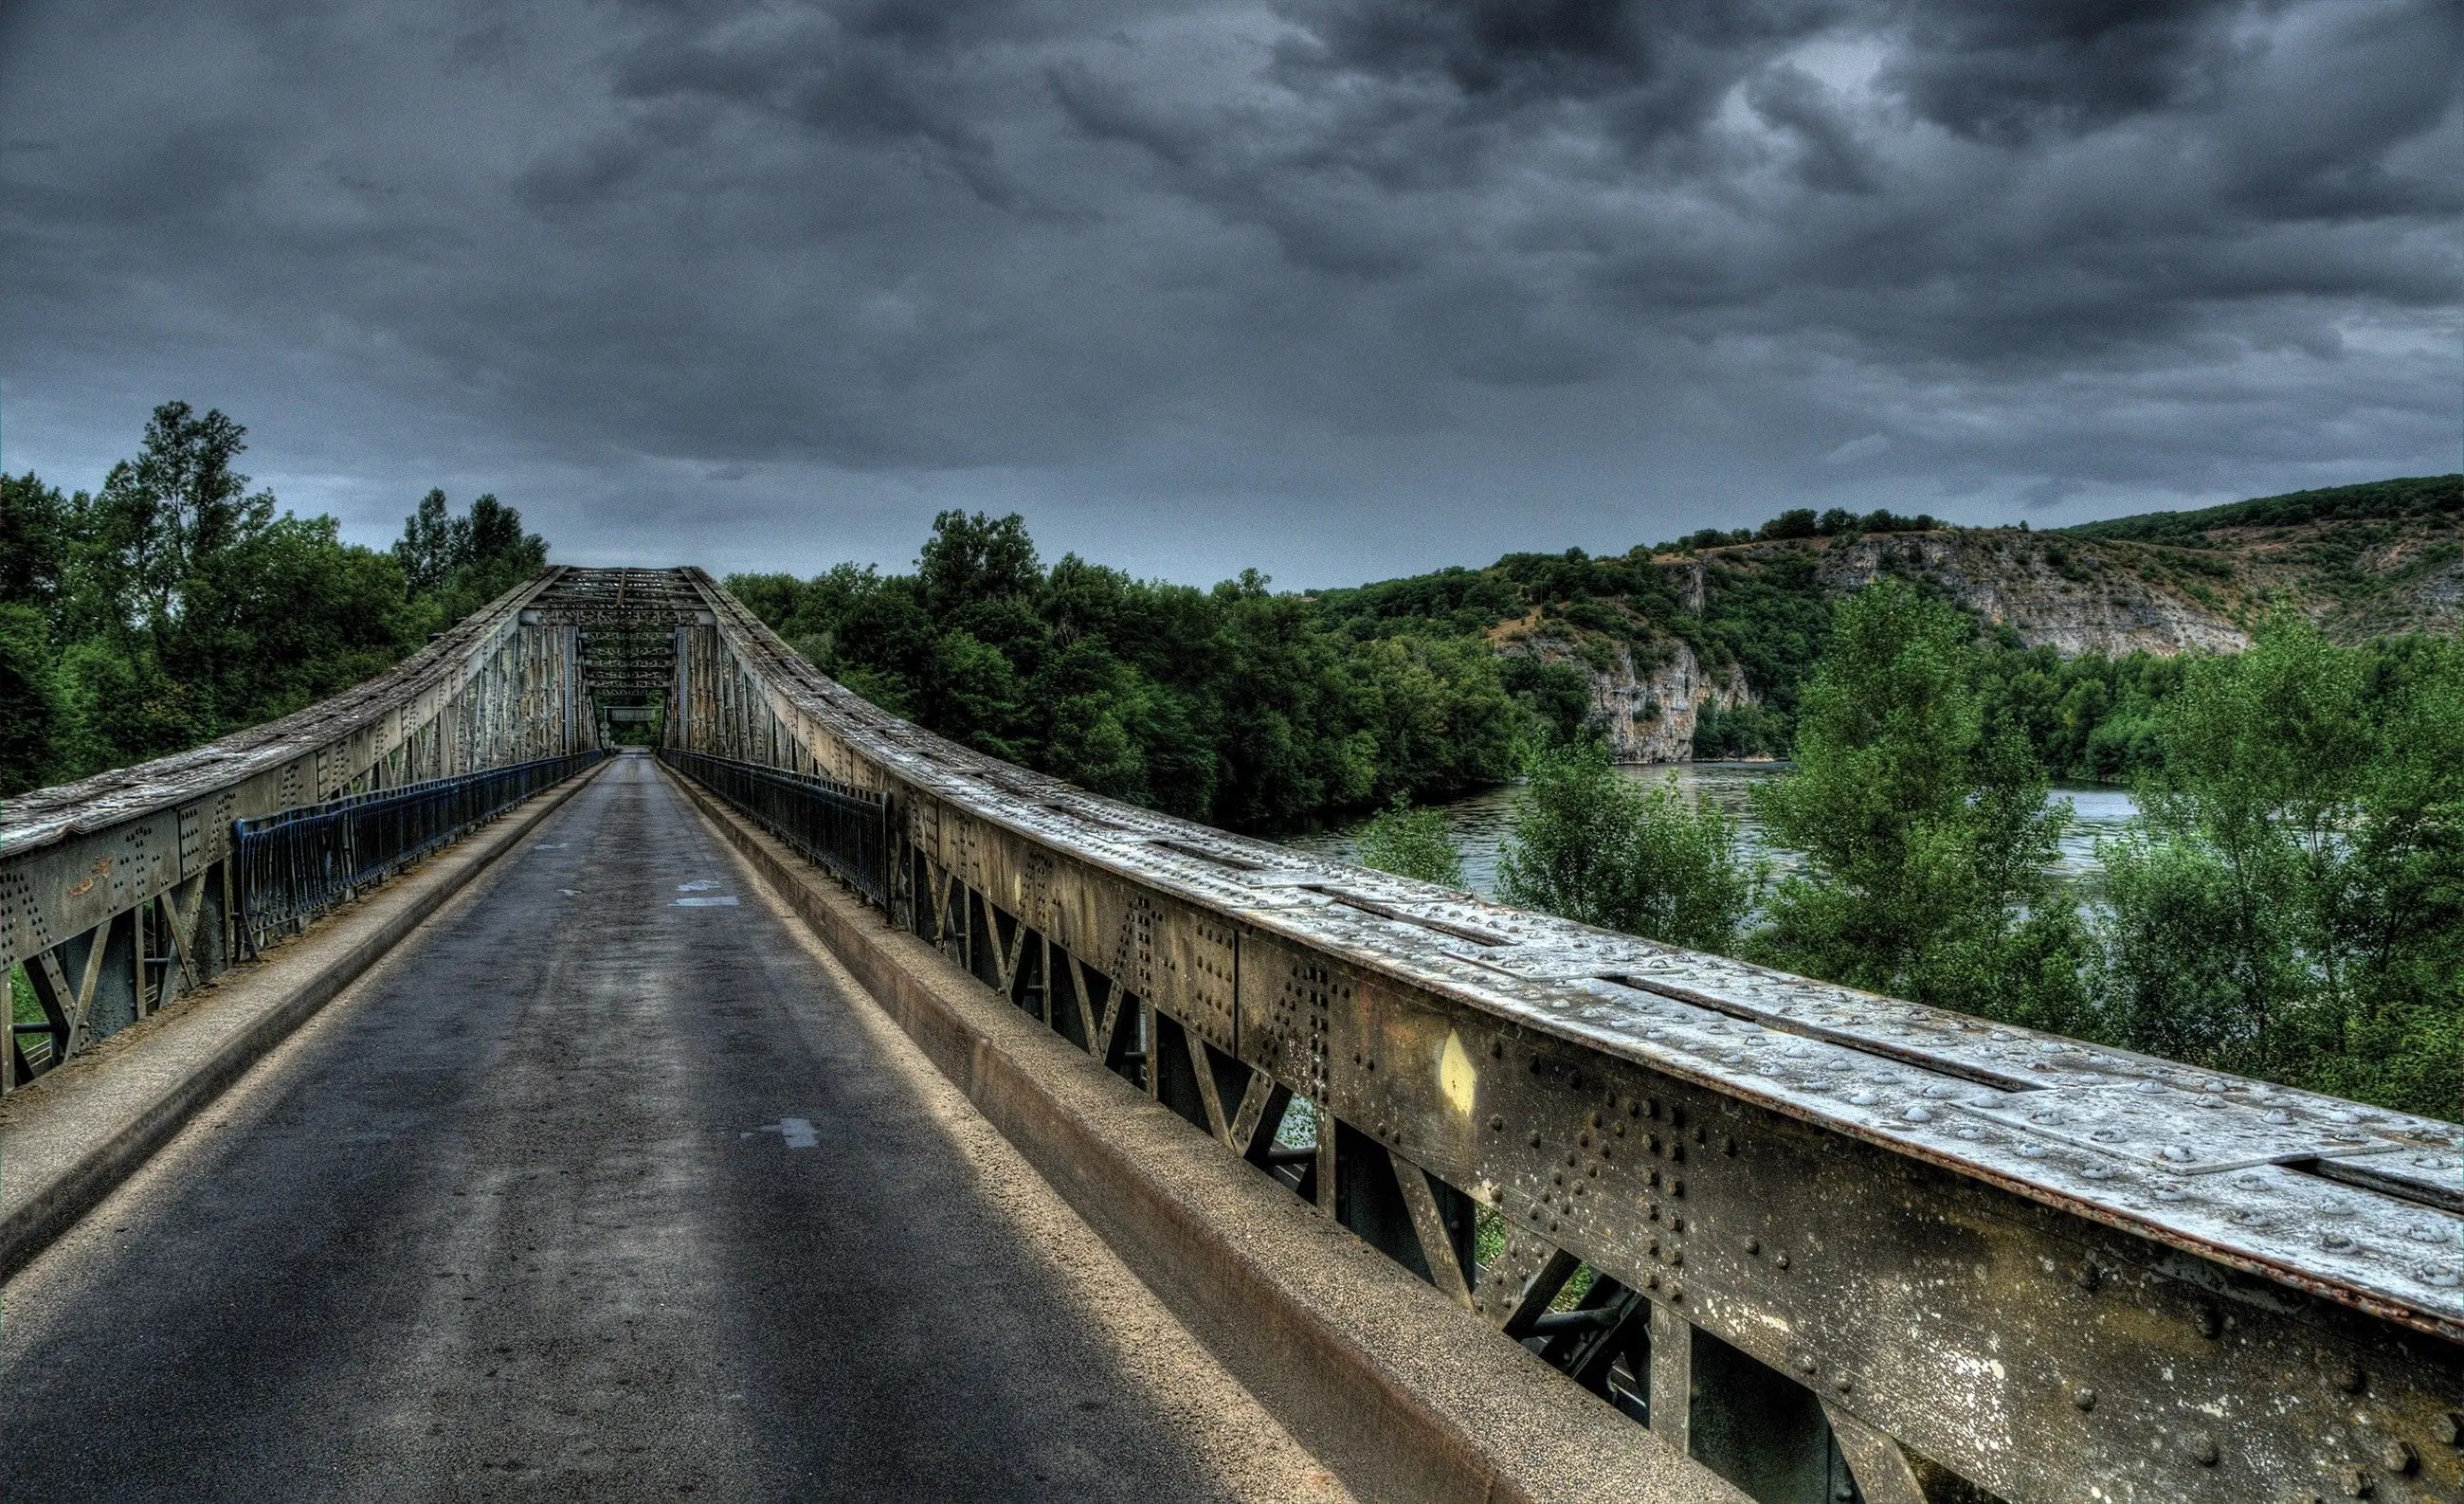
point(1337, 286)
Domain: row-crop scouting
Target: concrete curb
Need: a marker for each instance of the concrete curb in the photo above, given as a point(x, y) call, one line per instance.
point(307, 973)
point(1406, 1397)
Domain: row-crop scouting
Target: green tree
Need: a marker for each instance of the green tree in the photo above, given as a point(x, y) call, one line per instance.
point(1926, 830)
point(2291, 900)
point(973, 558)
point(1412, 843)
point(173, 515)
point(455, 565)
point(1593, 845)
point(178, 605)
point(35, 543)
point(34, 711)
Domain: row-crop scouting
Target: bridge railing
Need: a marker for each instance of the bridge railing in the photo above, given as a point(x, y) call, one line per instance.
point(294, 865)
point(122, 892)
point(1828, 1244)
point(842, 830)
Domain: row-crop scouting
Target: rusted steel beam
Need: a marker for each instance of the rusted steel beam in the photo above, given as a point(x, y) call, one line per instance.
point(2056, 1270)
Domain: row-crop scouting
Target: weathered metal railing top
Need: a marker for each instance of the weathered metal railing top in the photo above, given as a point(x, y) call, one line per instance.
point(47, 815)
point(2357, 1205)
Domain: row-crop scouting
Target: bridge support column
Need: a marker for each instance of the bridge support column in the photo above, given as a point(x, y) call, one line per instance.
point(1882, 1469)
point(1672, 1379)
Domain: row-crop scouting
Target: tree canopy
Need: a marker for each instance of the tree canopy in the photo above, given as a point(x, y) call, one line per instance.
point(177, 603)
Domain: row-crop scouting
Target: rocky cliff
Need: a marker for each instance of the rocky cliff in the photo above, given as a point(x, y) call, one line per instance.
point(2074, 598)
point(1648, 710)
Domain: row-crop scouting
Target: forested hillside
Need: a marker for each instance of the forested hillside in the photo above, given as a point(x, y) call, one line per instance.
point(1697, 647)
point(1235, 704)
point(176, 604)
point(1248, 707)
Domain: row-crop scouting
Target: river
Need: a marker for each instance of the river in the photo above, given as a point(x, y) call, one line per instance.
point(1481, 822)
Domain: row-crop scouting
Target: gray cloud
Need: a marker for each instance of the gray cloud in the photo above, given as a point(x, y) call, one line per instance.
point(1340, 287)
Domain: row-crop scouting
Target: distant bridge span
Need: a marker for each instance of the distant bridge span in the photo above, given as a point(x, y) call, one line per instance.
point(1838, 1246)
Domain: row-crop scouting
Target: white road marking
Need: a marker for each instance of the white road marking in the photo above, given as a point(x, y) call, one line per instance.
point(706, 903)
point(796, 1133)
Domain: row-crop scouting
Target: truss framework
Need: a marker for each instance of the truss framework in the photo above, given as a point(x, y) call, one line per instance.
point(1822, 1240)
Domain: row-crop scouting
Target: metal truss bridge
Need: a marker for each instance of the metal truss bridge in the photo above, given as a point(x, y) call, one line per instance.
point(611, 1185)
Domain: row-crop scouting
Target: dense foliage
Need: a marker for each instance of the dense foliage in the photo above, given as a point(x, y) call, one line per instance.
point(2291, 902)
point(1925, 827)
point(1412, 843)
point(177, 605)
point(1236, 704)
point(1593, 845)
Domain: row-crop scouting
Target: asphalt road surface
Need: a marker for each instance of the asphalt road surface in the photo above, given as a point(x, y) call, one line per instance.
point(607, 1185)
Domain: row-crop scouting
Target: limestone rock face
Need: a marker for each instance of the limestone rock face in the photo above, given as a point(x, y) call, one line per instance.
point(2071, 599)
point(1647, 710)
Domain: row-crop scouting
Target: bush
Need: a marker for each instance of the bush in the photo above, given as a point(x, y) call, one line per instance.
point(1926, 830)
point(1412, 843)
point(1593, 845)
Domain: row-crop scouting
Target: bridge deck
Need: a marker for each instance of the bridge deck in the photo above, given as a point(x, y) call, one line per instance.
point(519, 1219)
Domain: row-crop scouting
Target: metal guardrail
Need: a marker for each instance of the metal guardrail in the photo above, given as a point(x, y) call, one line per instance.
point(296, 865)
point(1831, 1246)
point(843, 830)
point(119, 893)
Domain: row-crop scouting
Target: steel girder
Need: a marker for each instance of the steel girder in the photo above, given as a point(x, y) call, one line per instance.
point(116, 891)
point(1836, 1244)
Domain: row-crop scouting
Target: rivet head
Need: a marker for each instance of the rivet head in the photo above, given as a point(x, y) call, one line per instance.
point(1753, 1244)
point(2398, 1457)
point(2206, 1322)
point(2203, 1450)
point(1496, 1124)
point(2084, 1397)
point(2356, 1482)
point(1781, 1261)
point(2087, 1276)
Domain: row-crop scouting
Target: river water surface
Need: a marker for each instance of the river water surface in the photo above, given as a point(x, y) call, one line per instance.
point(1481, 822)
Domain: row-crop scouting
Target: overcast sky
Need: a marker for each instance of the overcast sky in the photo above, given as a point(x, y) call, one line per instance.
point(1338, 288)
